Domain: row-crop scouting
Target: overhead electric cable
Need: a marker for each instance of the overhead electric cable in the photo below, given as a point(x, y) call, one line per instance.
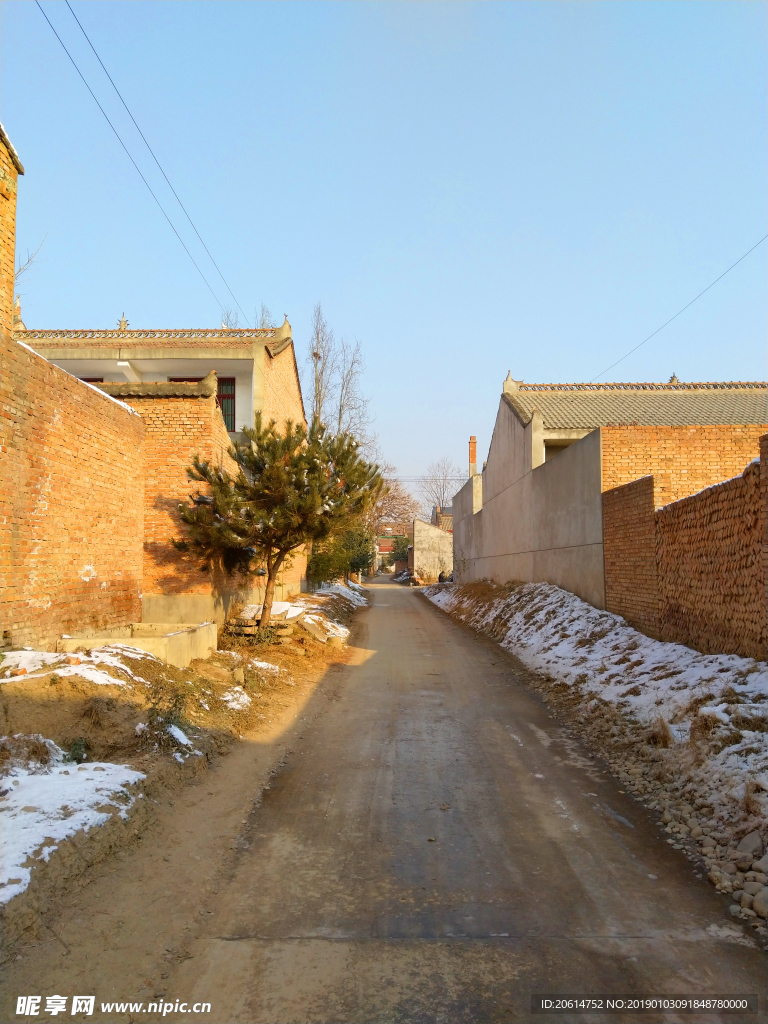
point(90, 90)
point(170, 186)
point(738, 261)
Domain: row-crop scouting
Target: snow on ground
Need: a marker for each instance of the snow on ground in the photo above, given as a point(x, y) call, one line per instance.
point(327, 625)
point(42, 805)
point(33, 664)
point(179, 735)
point(265, 666)
point(236, 700)
point(707, 711)
point(349, 591)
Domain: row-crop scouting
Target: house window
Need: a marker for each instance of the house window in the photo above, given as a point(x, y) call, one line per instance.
point(225, 396)
point(226, 400)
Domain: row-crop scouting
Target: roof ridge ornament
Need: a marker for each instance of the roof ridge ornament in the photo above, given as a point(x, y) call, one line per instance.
point(122, 323)
point(510, 385)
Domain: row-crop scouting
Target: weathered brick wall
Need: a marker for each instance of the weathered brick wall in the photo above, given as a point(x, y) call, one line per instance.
point(694, 571)
point(682, 460)
point(282, 390)
point(711, 569)
point(71, 509)
point(176, 429)
point(9, 178)
point(629, 551)
point(72, 504)
point(282, 401)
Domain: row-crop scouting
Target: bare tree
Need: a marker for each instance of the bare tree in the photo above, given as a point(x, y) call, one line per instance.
point(352, 415)
point(21, 268)
point(396, 506)
point(230, 317)
point(322, 359)
point(263, 318)
point(439, 484)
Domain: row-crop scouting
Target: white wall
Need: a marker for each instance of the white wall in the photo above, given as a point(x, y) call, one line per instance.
point(540, 524)
point(432, 549)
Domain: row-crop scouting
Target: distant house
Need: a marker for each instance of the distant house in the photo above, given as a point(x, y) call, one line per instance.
point(194, 391)
point(442, 518)
point(535, 512)
point(386, 536)
point(255, 368)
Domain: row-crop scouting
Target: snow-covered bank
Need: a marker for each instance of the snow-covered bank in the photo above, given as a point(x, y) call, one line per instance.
point(44, 803)
point(686, 732)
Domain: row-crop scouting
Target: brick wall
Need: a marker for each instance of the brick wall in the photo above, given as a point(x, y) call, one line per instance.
point(282, 401)
point(9, 178)
point(629, 552)
point(176, 429)
point(71, 510)
point(711, 570)
point(282, 390)
point(694, 571)
point(682, 460)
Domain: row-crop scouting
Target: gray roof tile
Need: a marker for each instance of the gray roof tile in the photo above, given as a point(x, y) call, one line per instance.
point(587, 406)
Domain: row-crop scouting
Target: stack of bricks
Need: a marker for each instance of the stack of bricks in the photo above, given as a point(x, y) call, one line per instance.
point(711, 568)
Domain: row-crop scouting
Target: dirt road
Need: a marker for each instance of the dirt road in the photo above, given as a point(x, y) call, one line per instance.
point(435, 848)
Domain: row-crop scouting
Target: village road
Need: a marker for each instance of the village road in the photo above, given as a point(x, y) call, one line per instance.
point(437, 848)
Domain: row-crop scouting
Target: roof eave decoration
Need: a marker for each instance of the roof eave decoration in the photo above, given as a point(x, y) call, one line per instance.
point(225, 332)
point(206, 388)
point(701, 386)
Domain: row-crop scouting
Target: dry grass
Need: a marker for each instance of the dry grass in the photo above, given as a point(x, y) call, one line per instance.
point(22, 750)
point(659, 734)
point(751, 804)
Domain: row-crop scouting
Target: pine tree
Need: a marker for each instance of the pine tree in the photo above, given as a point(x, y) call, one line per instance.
point(294, 486)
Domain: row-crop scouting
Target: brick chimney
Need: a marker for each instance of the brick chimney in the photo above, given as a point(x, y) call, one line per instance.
point(473, 456)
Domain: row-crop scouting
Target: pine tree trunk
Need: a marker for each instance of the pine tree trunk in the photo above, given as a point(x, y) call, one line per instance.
point(269, 591)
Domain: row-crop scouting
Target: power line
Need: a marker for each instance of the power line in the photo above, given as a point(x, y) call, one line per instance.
point(738, 261)
point(170, 222)
point(170, 186)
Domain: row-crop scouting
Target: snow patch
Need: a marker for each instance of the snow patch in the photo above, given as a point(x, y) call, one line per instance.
point(236, 700)
point(41, 807)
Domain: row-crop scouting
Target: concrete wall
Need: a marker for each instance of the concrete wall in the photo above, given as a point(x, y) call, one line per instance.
point(539, 521)
point(432, 551)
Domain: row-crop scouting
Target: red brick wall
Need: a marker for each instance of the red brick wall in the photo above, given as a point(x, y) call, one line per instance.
point(9, 178)
point(176, 429)
point(696, 570)
point(629, 552)
point(72, 504)
point(682, 460)
point(71, 509)
point(711, 570)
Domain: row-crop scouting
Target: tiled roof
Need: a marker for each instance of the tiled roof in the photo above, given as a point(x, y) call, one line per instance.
point(586, 406)
point(191, 334)
point(204, 388)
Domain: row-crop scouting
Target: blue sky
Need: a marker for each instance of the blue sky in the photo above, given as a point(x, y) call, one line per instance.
point(467, 188)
